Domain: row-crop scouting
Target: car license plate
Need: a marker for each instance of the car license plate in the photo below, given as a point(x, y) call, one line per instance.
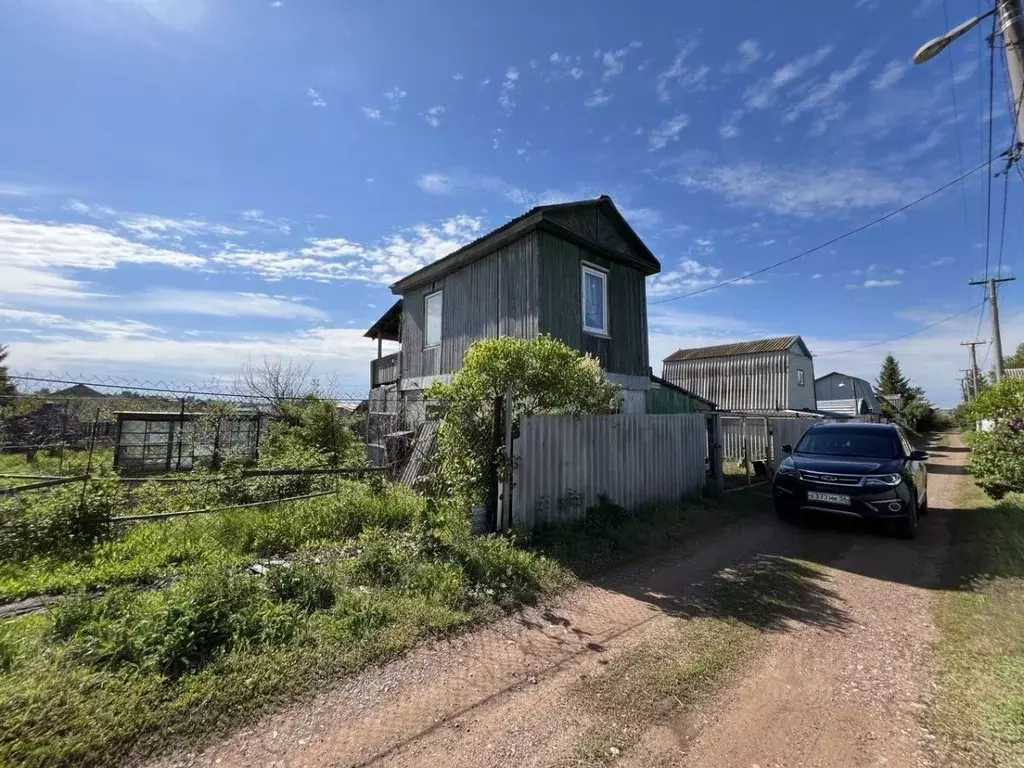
point(829, 498)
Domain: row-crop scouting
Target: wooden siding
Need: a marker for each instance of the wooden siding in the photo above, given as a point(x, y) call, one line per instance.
point(591, 223)
point(384, 370)
point(560, 312)
point(494, 295)
point(743, 382)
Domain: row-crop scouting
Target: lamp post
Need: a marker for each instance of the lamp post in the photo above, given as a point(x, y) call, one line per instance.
point(1011, 26)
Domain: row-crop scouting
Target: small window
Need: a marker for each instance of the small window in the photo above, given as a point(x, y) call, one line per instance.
point(432, 309)
point(595, 300)
point(799, 377)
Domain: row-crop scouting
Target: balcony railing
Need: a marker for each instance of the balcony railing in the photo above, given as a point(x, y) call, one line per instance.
point(385, 370)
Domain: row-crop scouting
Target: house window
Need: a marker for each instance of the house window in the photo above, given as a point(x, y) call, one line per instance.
point(595, 300)
point(799, 377)
point(433, 305)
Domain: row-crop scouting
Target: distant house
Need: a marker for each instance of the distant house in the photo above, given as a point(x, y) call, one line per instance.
point(576, 271)
point(842, 386)
point(764, 375)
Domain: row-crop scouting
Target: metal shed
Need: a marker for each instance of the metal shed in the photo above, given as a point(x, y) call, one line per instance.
point(767, 374)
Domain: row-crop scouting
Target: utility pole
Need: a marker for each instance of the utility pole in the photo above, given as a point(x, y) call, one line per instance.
point(1011, 25)
point(974, 363)
point(993, 300)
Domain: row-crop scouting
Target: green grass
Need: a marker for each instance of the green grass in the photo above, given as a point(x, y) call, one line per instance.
point(136, 671)
point(75, 462)
point(980, 707)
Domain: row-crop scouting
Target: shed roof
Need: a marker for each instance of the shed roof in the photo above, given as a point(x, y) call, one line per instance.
point(389, 325)
point(669, 385)
point(777, 344)
point(519, 226)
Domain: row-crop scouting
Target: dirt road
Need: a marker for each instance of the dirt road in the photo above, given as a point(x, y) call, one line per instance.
point(763, 645)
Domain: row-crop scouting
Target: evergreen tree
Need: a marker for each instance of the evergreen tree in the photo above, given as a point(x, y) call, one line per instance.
point(891, 380)
point(7, 387)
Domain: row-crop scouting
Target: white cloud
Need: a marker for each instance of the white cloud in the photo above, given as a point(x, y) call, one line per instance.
point(433, 115)
point(749, 54)
point(763, 93)
point(729, 128)
point(817, 276)
point(150, 227)
point(222, 304)
point(941, 261)
point(875, 283)
point(614, 62)
point(689, 275)
point(315, 100)
point(505, 100)
point(668, 131)
point(821, 98)
point(256, 216)
point(395, 97)
point(277, 4)
point(924, 7)
point(891, 74)
point(680, 77)
point(458, 76)
point(82, 325)
point(598, 98)
point(803, 191)
point(330, 259)
point(371, 113)
point(644, 218)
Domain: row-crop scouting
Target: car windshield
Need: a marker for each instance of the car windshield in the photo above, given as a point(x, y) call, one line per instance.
point(871, 445)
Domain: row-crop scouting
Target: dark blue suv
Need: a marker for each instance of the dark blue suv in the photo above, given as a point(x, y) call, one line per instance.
point(867, 471)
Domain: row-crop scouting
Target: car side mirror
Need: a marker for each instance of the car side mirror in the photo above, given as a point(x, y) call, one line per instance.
point(918, 456)
point(787, 448)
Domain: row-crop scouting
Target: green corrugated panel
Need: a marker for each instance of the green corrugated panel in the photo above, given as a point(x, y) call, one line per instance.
point(665, 400)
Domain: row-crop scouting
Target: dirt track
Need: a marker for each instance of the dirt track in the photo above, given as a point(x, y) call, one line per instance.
point(838, 672)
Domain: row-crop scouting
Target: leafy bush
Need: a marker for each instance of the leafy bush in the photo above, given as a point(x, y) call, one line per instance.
point(61, 521)
point(542, 375)
point(997, 459)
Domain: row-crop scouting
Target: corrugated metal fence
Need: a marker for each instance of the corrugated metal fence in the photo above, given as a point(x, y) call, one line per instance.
point(564, 464)
point(738, 429)
point(788, 432)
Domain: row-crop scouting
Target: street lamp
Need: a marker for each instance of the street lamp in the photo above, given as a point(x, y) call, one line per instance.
point(934, 47)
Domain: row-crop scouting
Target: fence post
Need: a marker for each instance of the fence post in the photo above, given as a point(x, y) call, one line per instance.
point(181, 433)
point(63, 437)
point(88, 465)
point(715, 451)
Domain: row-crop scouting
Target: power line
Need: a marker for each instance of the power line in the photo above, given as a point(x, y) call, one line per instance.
point(956, 116)
point(827, 243)
point(981, 317)
point(903, 336)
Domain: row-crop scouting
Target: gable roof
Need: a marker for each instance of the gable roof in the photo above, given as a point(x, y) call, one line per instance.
point(535, 218)
point(777, 344)
point(844, 375)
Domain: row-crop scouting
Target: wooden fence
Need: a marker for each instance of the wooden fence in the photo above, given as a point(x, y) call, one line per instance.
point(565, 465)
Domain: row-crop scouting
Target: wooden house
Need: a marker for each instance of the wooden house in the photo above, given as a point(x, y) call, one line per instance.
point(575, 271)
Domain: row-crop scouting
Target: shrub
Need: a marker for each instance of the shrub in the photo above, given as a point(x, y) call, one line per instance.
point(60, 522)
point(997, 460)
point(542, 375)
point(306, 585)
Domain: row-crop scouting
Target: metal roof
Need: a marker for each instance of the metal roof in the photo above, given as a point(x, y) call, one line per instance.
point(389, 324)
point(778, 344)
point(516, 228)
point(669, 385)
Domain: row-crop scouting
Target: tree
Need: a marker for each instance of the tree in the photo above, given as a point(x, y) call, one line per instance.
point(277, 384)
point(542, 375)
point(891, 380)
point(1016, 360)
point(7, 387)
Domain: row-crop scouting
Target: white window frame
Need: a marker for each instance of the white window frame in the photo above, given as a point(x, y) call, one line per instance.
point(801, 377)
point(427, 344)
point(591, 269)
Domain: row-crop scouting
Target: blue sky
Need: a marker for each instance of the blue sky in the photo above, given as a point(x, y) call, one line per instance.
point(190, 183)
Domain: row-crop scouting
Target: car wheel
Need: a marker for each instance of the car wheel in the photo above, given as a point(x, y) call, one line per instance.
point(907, 527)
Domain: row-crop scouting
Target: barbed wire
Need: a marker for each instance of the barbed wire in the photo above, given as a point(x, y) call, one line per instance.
point(31, 383)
